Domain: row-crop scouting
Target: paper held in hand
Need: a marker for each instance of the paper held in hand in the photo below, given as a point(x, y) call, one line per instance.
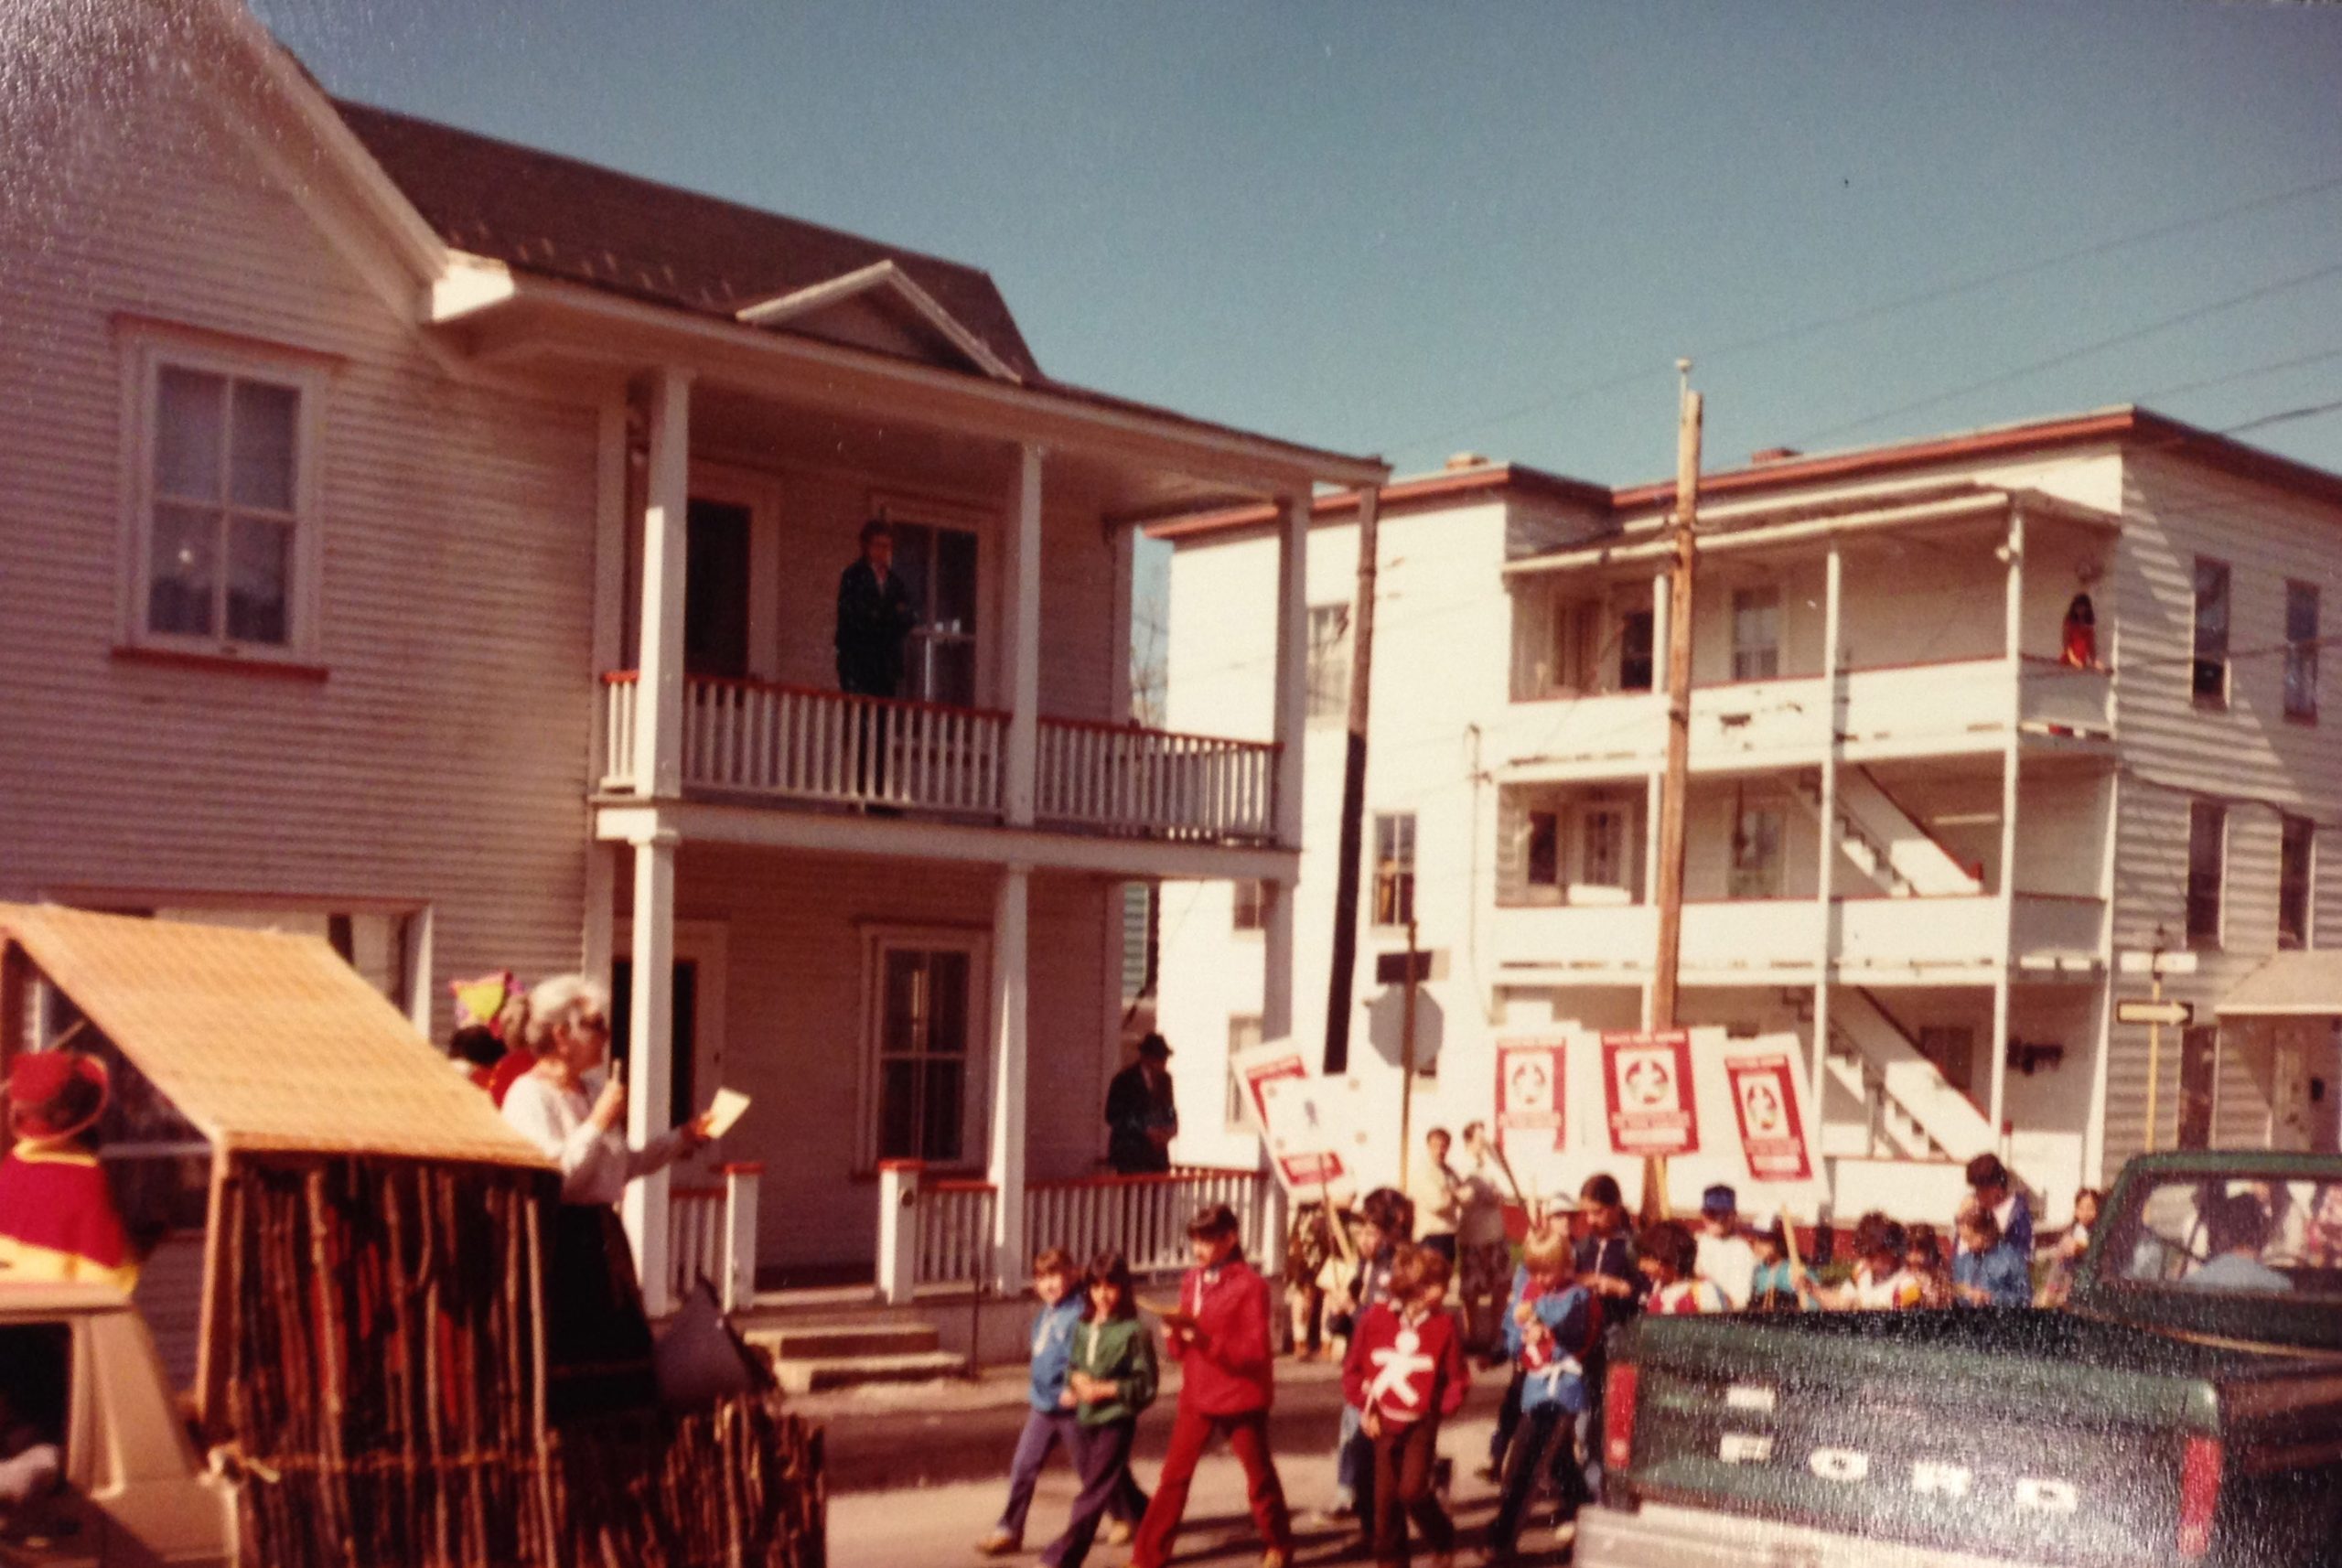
point(724, 1111)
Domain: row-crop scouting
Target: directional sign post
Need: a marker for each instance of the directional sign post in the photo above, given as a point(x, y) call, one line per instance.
point(2140, 1010)
point(2155, 1013)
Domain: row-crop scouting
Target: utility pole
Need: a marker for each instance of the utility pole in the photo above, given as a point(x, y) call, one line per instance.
point(1345, 965)
point(1407, 1059)
point(1670, 958)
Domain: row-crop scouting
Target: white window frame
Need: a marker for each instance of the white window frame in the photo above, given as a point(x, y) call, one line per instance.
point(2301, 652)
point(147, 349)
point(1403, 874)
point(877, 940)
point(2213, 700)
point(904, 509)
point(2308, 933)
point(1753, 597)
point(2217, 939)
point(1235, 1117)
point(1326, 672)
point(1773, 871)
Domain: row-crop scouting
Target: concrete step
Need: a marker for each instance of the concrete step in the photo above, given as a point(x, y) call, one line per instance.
point(839, 1341)
point(808, 1377)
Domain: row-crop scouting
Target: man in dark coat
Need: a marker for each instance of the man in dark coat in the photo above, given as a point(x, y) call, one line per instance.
point(1141, 1117)
point(874, 615)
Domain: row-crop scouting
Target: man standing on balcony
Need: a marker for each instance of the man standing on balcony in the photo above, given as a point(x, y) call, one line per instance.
point(874, 615)
point(1141, 1116)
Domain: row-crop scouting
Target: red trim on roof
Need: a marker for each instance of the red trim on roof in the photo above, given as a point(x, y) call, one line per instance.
point(1499, 478)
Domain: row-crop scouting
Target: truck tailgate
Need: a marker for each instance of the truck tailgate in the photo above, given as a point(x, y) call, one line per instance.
point(2000, 1434)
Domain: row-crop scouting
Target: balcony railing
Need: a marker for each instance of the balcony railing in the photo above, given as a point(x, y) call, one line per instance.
point(1145, 1218)
point(1962, 705)
point(763, 739)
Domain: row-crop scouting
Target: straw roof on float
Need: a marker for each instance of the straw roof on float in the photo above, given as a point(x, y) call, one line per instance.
point(266, 1043)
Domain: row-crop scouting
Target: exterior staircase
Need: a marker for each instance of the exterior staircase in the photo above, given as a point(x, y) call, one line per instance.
point(832, 1339)
point(1890, 847)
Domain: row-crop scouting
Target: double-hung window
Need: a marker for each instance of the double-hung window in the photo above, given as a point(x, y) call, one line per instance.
point(939, 565)
point(1328, 675)
point(1394, 868)
point(1757, 853)
point(2208, 834)
point(1755, 633)
point(923, 1048)
point(223, 516)
point(2300, 651)
point(2212, 650)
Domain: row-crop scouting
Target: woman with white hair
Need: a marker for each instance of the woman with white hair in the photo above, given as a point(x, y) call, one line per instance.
point(597, 1339)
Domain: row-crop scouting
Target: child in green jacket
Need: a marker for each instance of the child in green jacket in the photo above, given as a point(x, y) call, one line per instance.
point(1114, 1377)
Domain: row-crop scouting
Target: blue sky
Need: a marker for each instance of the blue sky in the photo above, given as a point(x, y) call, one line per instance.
point(1414, 228)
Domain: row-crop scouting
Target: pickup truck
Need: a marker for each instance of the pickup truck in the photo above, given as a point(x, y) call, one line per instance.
point(2183, 1409)
point(100, 1471)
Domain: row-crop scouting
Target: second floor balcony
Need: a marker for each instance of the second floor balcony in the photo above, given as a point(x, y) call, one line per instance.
point(768, 741)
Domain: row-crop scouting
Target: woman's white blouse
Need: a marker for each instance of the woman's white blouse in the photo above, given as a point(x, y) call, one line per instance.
point(595, 1166)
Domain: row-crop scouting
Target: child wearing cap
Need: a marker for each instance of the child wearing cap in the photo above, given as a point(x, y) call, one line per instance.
point(1672, 1259)
point(58, 1217)
point(1778, 1284)
point(1724, 1254)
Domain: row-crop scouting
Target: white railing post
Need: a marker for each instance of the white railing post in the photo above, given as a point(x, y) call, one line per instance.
point(898, 1227)
point(738, 1286)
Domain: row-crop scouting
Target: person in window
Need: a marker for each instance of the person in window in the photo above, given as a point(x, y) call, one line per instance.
point(57, 1216)
point(2079, 645)
point(874, 615)
point(1141, 1116)
point(2238, 1228)
point(597, 1338)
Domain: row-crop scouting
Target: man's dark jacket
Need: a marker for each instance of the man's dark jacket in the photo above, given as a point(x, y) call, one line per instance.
point(1131, 1107)
point(873, 620)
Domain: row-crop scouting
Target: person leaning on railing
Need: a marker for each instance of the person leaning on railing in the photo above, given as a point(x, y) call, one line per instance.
point(597, 1337)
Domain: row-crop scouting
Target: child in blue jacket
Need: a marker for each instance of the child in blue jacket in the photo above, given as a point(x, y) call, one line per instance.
point(1054, 1420)
point(1550, 1325)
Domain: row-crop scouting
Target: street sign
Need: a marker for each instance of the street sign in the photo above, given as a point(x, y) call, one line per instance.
point(2138, 1010)
point(2139, 960)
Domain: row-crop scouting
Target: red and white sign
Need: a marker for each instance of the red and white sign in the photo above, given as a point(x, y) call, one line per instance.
point(1765, 1101)
point(1264, 1064)
point(1646, 1083)
point(1532, 1094)
point(1314, 1132)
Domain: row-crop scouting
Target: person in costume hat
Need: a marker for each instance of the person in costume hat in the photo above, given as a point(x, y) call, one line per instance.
point(489, 1012)
point(58, 1217)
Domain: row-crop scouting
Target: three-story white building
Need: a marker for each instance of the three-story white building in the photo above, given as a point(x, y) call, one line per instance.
point(1928, 814)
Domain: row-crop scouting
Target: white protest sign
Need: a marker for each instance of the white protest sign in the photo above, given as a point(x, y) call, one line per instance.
point(1255, 1066)
point(1316, 1133)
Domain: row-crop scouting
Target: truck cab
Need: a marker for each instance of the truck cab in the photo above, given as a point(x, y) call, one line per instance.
point(97, 1469)
point(2184, 1408)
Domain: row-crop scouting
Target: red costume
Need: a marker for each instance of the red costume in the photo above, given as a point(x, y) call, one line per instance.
point(1405, 1371)
point(1229, 1369)
point(58, 1218)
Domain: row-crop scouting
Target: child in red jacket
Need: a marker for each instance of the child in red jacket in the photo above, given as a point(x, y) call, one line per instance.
point(1221, 1336)
point(1406, 1371)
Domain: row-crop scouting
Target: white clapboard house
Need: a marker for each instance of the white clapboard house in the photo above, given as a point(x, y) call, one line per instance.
point(1916, 836)
point(433, 542)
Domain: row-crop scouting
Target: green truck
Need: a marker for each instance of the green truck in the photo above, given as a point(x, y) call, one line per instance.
point(2183, 1409)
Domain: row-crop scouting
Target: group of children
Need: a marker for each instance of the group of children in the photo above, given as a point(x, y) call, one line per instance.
point(1406, 1363)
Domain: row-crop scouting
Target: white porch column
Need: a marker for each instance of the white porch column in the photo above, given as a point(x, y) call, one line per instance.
point(1004, 1165)
point(1021, 629)
point(2016, 649)
point(659, 697)
point(1291, 714)
point(651, 1067)
point(1826, 961)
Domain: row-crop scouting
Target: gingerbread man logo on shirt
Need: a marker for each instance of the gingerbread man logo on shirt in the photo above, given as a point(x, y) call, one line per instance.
point(1399, 1367)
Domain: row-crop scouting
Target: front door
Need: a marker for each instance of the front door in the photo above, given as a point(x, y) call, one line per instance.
point(2199, 1075)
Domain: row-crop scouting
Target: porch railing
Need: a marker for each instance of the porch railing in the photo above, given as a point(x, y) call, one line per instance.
point(711, 1234)
point(1182, 786)
point(938, 1232)
point(797, 743)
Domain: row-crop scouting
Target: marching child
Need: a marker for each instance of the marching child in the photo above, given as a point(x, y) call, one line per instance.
point(1550, 1328)
point(1053, 1420)
point(1111, 1378)
point(1220, 1334)
point(1778, 1284)
point(1386, 1224)
point(1670, 1259)
point(1985, 1272)
point(1406, 1373)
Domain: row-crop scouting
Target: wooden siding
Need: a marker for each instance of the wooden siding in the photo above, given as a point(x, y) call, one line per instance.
point(794, 931)
point(2248, 756)
point(441, 762)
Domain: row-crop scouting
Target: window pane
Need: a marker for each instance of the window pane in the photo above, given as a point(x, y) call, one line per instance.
point(1329, 667)
point(1756, 634)
point(1635, 660)
point(899, 1021)
point(265, 423)
point(2300, 651)
point(2206, 825)
point(2211, 662)
point(189, 419)
point(941, 1117)
point(182, 571)
point(914, 560)
point(260, 560)
point(1605, 849)
point(897, 1110)
point(947, 972)
point(1545, 848)
point(955, 580)
point(950, 671)
point(2293, 862)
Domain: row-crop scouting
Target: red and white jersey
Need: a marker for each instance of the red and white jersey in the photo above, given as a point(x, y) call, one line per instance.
point(1688, 1296)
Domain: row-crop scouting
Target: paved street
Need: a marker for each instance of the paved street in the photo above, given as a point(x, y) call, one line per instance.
point(918, 1475)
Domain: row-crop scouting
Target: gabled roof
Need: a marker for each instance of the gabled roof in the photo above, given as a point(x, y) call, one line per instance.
point(540, 213)
point(880, 284)
point(2302, 983)
point(266, 1043)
